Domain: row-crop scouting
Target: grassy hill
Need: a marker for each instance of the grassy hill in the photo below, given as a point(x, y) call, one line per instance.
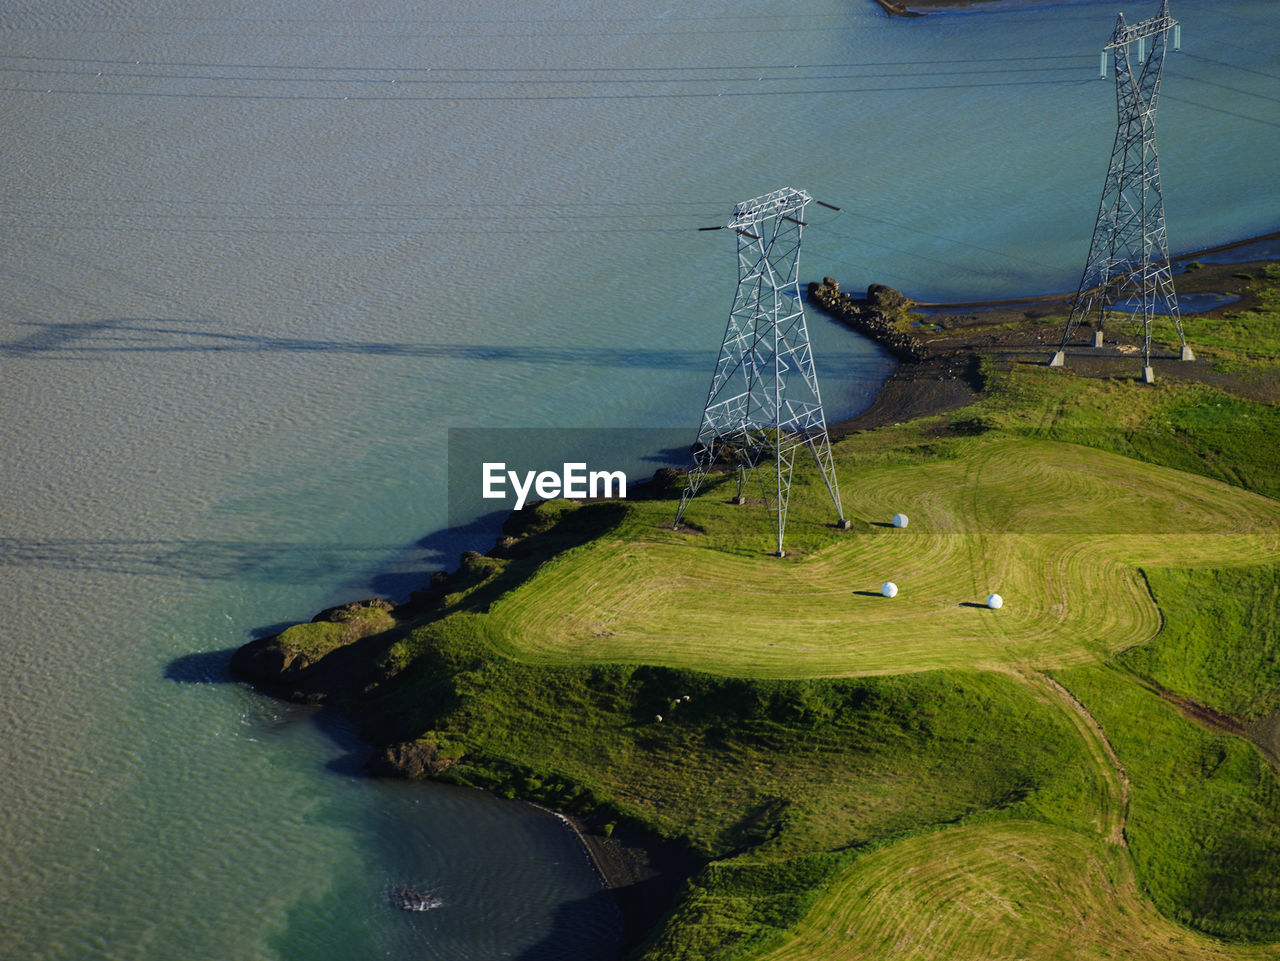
point(917, 777)
point(1059, 531)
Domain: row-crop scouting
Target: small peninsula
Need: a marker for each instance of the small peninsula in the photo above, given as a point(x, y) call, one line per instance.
point(770, 760)
point(920, 8)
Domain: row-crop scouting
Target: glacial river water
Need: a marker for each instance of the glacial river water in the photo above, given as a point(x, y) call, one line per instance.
point(258, 257)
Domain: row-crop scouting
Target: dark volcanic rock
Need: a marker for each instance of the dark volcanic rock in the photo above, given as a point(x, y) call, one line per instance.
point(886, 299)
point(268, 662)
point(407, 759)
point(309, 662)
point(873, 316)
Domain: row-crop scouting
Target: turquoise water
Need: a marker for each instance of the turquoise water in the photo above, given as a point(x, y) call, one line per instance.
point(259, 257)
point(1187, 304)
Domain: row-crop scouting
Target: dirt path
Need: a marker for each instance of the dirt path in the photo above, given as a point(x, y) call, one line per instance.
point(1115, 811)
point(1264, 734)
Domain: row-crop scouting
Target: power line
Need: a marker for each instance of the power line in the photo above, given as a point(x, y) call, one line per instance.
point(468, 204)
point(1003, 254)
point(501, 228)
point(913, 64)
point(862, 239)
point(1223, 86)
point(1230, 66)
point(451, 21)
point(328, 218)
point(1214, 109)
point(555, 29)
point(464, 98)
point(753, 77)
point(552, 26)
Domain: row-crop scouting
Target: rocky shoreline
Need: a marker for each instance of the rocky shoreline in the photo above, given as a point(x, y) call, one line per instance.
point(899, 8)
point(643, 873)
point(877, 316)
point(942, 354)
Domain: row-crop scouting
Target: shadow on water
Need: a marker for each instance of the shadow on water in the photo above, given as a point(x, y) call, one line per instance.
point(172, 335)
point(203, 558)
point(588, 929)
point(235, 560)
point(678, 455)
point(257, 561)
point(582, 930)
point(446, 545)
point(203, 667)
point(213, 667)
point(151, 335)
point(342, 733)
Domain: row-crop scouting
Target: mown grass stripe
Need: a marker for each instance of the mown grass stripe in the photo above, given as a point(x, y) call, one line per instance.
point(1010, 890)
point(1059, 531)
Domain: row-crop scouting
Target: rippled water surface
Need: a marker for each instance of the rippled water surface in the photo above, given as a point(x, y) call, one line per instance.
point(259, 257)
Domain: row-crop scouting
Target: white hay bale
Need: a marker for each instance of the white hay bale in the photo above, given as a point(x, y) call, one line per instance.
point(900, 520)
point(889, 589)
point(995, 602)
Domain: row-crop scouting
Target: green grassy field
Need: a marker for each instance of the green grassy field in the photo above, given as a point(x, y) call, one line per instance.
point(545, 679)
point(1222, 644)
point(1204, 819)
point(917, 777)
point(1059, 531)
point(1016, 889)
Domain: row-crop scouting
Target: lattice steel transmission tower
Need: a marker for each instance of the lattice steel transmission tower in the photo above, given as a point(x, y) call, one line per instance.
point(1129, 254)
point(764, 405)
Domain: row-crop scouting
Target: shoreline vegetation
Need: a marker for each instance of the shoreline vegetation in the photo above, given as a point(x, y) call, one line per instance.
point(1099, 759)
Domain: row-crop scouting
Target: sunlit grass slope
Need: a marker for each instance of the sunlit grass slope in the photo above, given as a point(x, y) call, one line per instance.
point(1010, 890)
point(1204, 820)
point(1058, 530)
point(544, 676)
point(1222, 642)
point(917, 777)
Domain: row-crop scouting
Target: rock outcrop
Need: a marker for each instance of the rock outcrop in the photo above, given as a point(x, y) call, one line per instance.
point(408, 759)
point(307, 662)
point(877, 316)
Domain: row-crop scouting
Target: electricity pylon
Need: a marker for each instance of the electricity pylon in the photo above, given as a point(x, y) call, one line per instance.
point(764, 404)
point(1129, 254)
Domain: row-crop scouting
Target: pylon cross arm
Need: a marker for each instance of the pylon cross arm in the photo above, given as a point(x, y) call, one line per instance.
point(780, 203)
point(1127, 33)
